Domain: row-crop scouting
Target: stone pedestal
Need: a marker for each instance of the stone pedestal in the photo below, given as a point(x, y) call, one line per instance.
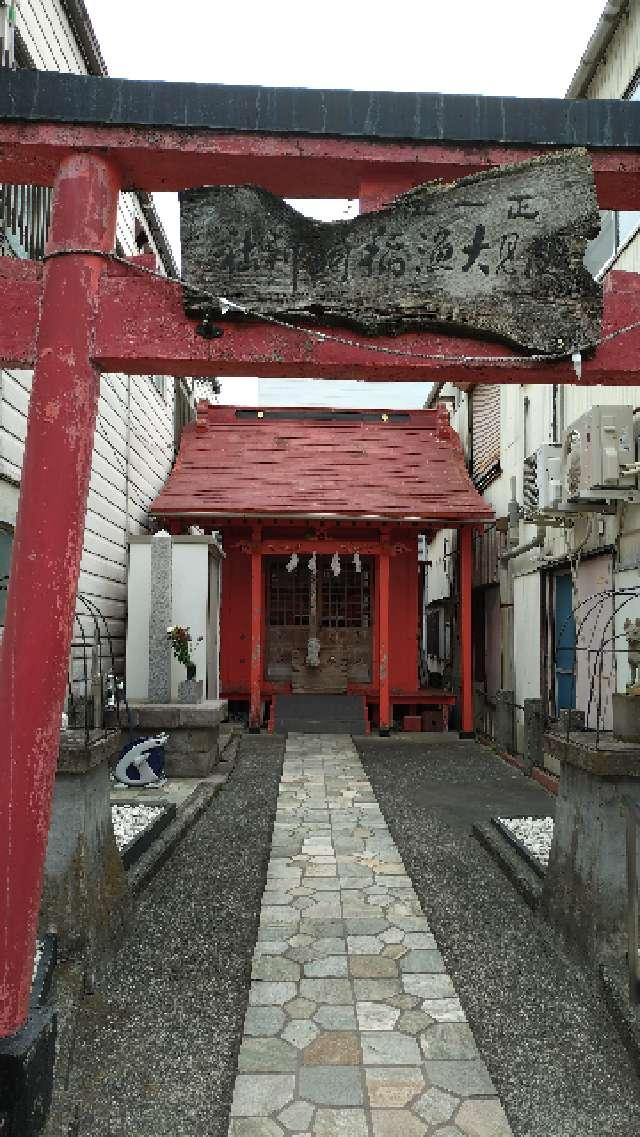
point(193, 747)
point(504, 732)
point(190, 691)
point(585, 888)
point(85, 899)
point(533, 754)
point(626, 717)
point(571, 719)
point(27, 1062)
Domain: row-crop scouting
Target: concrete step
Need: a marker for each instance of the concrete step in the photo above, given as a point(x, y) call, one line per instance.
point(320, 714)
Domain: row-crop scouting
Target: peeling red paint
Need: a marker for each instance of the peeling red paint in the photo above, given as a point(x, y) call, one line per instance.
point(288, 165)
point(141, 329)
point(46, 560)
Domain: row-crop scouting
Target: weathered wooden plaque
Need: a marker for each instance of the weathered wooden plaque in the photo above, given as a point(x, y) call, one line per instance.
point(498, 255)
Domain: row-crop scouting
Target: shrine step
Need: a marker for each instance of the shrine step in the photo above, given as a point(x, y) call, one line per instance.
point(319, 714)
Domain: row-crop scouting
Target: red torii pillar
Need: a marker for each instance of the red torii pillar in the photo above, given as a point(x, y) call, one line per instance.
point(465, 536)
point(46, 560)
point(255, 685)
point(383, 639)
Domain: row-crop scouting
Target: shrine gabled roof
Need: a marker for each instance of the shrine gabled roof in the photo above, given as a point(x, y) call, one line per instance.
point(315, 462)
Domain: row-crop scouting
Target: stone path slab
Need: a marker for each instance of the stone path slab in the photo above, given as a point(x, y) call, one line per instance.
point(353, 1028)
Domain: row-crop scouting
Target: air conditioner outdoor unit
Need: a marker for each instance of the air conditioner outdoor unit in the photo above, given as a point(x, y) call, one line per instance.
point(542, 481)
point(596, 450)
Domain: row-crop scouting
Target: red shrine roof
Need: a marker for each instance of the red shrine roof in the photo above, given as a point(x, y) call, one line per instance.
point(318, 462)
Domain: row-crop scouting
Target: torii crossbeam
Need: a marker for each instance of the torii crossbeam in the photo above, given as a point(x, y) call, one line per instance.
point(80, 314)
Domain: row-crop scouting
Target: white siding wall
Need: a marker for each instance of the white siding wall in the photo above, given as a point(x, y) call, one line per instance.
point(619, 66)
point(133, 445)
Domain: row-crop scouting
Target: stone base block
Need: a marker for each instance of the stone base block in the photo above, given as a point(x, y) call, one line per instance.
point(85, 898)
point(504, 721)
point(190, 691)
point(585, 888)
point(533, 731)
point(192, 752)
point(626, 717)
point(571, 719)
point(193, 749)
point(26, 1076)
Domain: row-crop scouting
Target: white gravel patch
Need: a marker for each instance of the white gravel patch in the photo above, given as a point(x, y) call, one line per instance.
point(535, 833)
point(130, 820)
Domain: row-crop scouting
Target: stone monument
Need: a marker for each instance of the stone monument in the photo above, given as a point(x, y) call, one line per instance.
point(192, 724)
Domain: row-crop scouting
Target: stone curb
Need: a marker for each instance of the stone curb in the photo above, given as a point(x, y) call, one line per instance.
point(549, 782)
point(626, 1017)
point(143, 871)
point(512, 863)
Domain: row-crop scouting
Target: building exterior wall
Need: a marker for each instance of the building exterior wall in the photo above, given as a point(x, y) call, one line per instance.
point(134, 439)
point(600, 552)
point(620, 64)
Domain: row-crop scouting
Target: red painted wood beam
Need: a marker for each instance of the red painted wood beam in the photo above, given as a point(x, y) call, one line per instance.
point(34, 658)
point(256, 639)
point(141, 329)
point(289, 165)
point(320, 545)
point(466, 631)
point(383, 640)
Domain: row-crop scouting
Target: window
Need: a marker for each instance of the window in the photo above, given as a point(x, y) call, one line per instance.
point(6, 545)
point(288, 593)
point(345, 599)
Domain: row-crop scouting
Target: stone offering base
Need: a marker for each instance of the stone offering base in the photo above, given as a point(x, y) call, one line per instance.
point(193, 748)
point(585, 890)
point(190, 691)
point(85, 897)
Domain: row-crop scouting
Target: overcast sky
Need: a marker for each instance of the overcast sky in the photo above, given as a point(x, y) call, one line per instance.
point(495, 47)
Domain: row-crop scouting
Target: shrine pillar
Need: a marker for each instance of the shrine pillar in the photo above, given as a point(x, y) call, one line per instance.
point(41, 598)
point(465, 534)
point(383, 640)
point(255, 709)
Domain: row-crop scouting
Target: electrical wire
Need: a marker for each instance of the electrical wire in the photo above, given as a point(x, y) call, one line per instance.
point(224, 304)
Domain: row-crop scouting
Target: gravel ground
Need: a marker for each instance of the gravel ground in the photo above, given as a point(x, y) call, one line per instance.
point(156, 1044)
point(544, 1032)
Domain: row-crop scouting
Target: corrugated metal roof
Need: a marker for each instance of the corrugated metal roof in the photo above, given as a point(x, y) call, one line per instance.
point(304, 462)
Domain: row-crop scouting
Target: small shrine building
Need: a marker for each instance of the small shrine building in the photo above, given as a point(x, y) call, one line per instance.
point(320, 512)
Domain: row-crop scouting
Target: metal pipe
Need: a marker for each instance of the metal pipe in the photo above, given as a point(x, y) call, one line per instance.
point(632, 899)
point(536, 543)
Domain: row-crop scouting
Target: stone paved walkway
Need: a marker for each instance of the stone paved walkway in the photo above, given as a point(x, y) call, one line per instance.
point(353, 1027)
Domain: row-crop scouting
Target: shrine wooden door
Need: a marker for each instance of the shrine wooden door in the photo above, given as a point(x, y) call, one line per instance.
point(333, 609)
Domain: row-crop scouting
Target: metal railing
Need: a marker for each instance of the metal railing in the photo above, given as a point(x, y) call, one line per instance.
point(96, 697)
point(633, 960)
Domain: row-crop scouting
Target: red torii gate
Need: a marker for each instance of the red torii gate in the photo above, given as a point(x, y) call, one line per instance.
point(81, 313)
